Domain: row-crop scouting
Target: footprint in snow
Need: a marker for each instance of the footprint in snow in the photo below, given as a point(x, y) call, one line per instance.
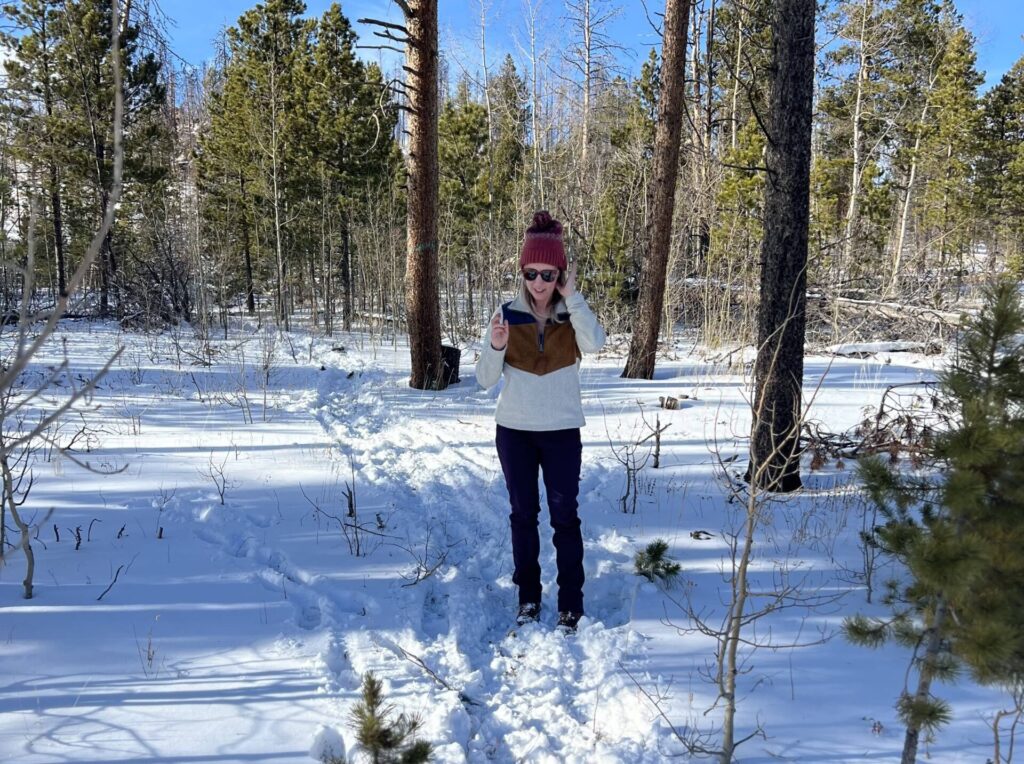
point(309, 616)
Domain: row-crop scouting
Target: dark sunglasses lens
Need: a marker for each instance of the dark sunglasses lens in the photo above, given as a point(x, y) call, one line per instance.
point(548, 276)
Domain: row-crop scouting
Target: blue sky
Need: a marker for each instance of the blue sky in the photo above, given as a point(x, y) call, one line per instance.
point(997, 25)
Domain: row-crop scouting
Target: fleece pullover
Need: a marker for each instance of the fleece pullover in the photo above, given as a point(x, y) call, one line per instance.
point(541, 368)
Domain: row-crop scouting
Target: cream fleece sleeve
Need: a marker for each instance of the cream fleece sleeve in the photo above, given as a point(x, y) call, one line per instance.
point(491, 362)
point(589, 333)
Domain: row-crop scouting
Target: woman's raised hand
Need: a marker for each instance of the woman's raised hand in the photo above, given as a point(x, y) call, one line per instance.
point(569, 287)
point(499, 331)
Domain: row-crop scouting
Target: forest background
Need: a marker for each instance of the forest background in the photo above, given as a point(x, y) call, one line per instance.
point(269, 179)
point(269, 183)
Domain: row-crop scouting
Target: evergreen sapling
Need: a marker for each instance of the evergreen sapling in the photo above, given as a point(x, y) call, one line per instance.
point(958, 526)
point(654, 563)
point(384, 738)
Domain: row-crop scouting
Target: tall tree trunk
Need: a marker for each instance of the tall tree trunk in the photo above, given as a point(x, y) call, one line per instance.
point(588, 78)
point(106, 254)
point(250, 292)
point(314, 298)
point(734, 120)
point(842, 268)
point(58, 231)
point(282, 291)
point(661, 193)
point(326, 257)
point(55, 203)
point(107, 245)
point(781, 319)
point(490, 114)
point(346, 275)
point(901, 237)
point(852, 208)
point(106, 263)
point(538, 168)
point(421, 296)
point(704, 137)
point(897, 252)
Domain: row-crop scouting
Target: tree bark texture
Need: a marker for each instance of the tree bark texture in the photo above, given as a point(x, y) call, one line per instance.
point(778, 376)
point(661, 193)
point(421, 295)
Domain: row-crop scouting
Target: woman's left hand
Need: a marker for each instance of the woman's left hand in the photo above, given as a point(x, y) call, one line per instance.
point(568, 289)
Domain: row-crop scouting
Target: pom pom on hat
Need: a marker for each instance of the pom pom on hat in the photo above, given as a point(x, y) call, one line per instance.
point(543, 242)
point(543, 223)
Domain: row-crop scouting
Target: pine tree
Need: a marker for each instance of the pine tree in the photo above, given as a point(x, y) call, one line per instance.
point(384, 738)
point(86, 90)
point(959, 534)
point(949, 154)
point(422, 315)
point(736, 234)
point(742, 44)
point(509, 99)
point(852, 209)
point(229, 181)
point(653, 562)
point(1001, 167)
point(918, 39)
point(31, 73)
point(61, 87)
point(300, 132)
point(354, 120)
point(642, 110)
point(609, 276)
point(262, 63)
point(463, 187)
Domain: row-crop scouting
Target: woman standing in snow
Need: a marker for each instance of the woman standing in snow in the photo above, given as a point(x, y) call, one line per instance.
point(536, 342)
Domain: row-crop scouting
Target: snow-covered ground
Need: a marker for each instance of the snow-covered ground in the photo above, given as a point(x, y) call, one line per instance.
point(241, 617)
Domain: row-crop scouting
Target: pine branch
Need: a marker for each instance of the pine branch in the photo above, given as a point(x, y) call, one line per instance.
point(386, 24)
point(379, 47)
point(389, 36)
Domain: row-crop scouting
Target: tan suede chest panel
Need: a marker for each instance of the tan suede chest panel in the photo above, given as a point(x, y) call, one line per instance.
point(524, 351)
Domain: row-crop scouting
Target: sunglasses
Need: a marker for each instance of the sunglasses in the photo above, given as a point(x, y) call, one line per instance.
point(531, 274)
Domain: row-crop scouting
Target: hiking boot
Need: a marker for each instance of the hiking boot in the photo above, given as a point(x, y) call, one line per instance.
point(567, 621)
point(529, 612)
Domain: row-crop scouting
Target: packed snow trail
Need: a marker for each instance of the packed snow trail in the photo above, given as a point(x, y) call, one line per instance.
point(530, 696)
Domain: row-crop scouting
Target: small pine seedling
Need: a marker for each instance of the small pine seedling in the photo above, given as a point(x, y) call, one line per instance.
point(383, 737)
point(654, 562)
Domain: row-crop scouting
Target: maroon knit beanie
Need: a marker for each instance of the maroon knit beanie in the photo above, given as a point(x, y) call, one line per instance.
point(543, 243)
